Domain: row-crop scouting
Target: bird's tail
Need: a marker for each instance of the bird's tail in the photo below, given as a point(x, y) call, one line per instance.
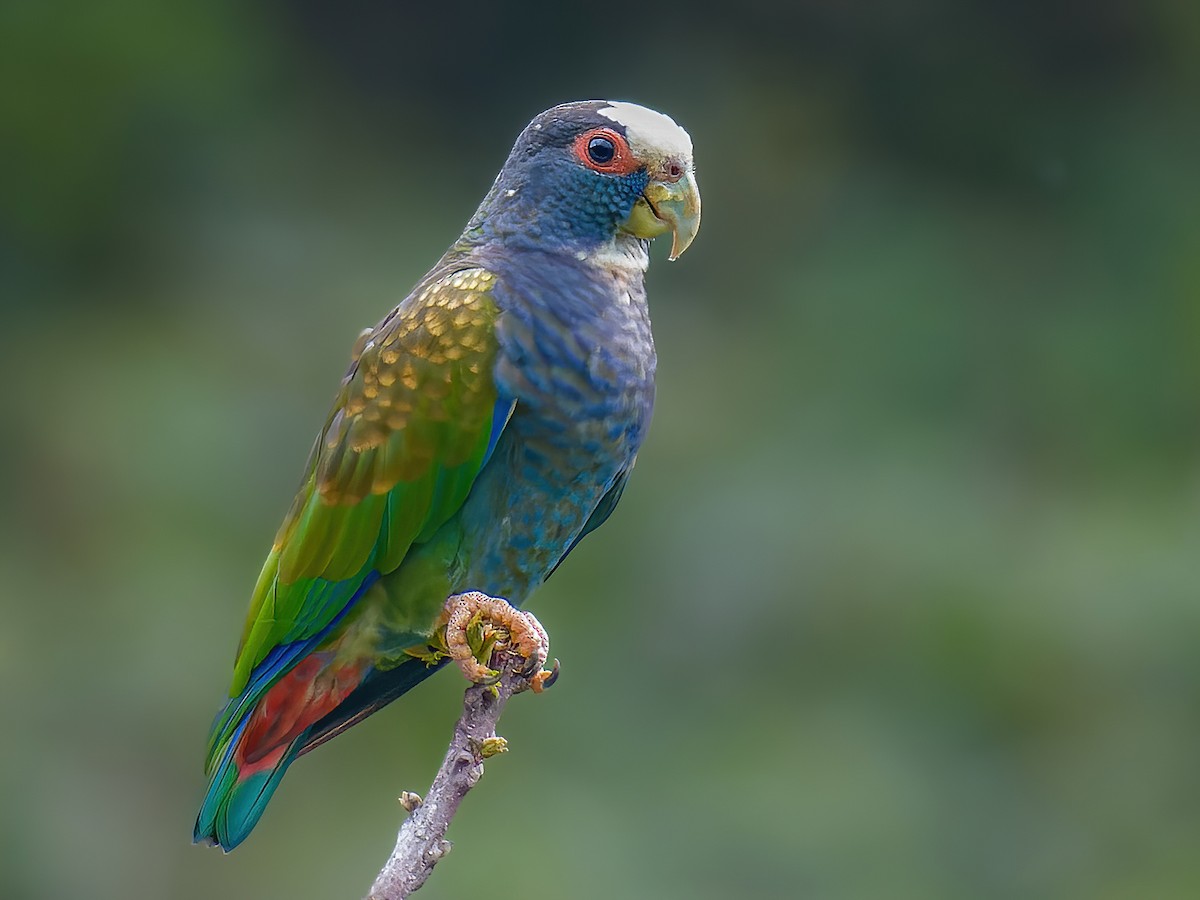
point(246, 768)
point(238, 794)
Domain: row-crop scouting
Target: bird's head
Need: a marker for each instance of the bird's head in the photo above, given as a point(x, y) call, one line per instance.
point(583, 174)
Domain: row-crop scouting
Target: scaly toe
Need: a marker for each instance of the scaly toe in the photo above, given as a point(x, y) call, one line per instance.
point(479, 627)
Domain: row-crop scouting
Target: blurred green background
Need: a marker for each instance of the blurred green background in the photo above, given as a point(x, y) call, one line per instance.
point(902, 601)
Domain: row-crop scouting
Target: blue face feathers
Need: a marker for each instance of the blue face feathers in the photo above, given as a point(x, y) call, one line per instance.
point(547, 197)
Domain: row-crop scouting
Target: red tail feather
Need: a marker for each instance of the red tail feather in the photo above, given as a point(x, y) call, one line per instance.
point(312, 689)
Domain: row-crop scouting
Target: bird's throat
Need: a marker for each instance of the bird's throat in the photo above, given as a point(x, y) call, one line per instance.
point(624, 256)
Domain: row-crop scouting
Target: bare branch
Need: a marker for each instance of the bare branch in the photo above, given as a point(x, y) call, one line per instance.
point(422, 843)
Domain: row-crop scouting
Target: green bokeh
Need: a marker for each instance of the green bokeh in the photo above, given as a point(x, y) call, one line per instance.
point(904, 598)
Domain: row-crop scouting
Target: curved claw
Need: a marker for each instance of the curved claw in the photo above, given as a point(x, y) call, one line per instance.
point(543, 679)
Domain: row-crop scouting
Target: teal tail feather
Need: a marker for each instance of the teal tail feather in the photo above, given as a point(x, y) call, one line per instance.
point(297, 714)
point(236, 798)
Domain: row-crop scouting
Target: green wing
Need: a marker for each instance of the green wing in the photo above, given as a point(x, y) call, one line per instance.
point(407, 436)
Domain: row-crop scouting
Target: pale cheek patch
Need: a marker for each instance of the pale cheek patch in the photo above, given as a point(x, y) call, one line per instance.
point(649, 131)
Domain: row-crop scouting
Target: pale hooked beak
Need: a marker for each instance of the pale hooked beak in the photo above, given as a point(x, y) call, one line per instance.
point(668, 206)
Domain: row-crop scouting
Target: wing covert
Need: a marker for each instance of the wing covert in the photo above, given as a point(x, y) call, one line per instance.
point(409, 431)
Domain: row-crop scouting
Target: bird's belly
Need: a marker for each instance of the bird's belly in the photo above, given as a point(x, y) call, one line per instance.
point(534, 497)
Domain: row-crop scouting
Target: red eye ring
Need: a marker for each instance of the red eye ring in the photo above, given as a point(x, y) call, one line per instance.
point(621, 162)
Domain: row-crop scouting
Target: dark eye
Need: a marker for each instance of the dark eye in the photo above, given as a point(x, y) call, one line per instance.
point(604, 150)
point(601, 150)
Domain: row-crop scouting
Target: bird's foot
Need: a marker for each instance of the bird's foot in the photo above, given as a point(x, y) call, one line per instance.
point(486, 634)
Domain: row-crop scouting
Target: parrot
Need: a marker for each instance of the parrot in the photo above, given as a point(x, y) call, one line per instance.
point(485, 426)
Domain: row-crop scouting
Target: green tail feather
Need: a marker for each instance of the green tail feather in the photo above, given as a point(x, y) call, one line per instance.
point(233, 805)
